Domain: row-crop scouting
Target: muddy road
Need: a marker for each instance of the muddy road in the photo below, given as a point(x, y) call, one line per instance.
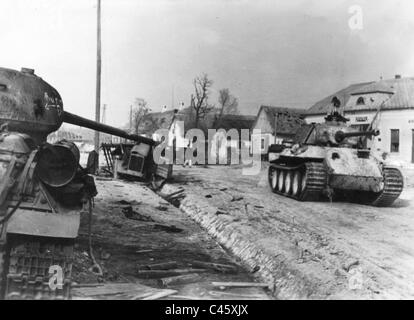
point(327, 250)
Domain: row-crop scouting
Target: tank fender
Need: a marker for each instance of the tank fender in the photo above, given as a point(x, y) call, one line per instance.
point(44, 224)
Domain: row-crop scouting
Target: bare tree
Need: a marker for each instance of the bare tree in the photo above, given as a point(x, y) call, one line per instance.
point(199, 101)
point(228, 103)
point(139, 112)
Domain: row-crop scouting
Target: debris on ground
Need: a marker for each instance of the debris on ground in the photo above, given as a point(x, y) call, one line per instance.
point(125, 246)
point(160, 266)
point(130, 213)
point(224, 268)
point(349, 264)
point(173, 229)
point(240, 284)
point(114, 291)
point(179, 280)
point(154, 274)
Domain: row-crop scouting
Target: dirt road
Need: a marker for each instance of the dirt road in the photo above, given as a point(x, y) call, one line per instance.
point(134, 227)
point(321, 250)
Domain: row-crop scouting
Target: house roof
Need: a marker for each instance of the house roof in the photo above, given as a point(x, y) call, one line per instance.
point(210, 120)
point(231, 121)
point(151, 122)
point(288, 119)
point(402, 90)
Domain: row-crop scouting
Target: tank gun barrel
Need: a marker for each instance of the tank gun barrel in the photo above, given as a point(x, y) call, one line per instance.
point(340, 135)
point(79, 121)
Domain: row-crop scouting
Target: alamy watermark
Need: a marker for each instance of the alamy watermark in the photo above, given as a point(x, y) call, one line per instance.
point(239, 146)
point(356, 21)
point(56, 277)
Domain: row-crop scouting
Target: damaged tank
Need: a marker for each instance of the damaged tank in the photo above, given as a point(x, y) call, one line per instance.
point(43, 188)
point(329, 160)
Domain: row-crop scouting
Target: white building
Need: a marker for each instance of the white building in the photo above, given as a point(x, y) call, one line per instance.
point(388, 105)
point(277, 125)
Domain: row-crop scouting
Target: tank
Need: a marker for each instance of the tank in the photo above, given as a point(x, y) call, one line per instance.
point(329, 160)
point(43, 189)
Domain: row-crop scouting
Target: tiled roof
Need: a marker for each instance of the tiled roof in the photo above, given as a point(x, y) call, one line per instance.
point(395, 93)
point(288, 119)
point(238, 122)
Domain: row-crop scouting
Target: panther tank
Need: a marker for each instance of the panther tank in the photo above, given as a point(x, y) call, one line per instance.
point(328, 161)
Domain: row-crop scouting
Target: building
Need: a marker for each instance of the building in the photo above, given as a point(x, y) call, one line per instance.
point(218, 146)
point(386, 105)
point(277, 125)
point(221, 144)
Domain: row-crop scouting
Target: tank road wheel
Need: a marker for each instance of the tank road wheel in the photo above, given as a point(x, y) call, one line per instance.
point(281, 180)
point(313, 181)
point(288, 181)
point(274, 178)
point(393, 186)
point(296, 183)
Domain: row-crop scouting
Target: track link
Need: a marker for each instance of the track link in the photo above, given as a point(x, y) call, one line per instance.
point(393, 186)
point(306, 182)
point(315, 182)
point(28, 262)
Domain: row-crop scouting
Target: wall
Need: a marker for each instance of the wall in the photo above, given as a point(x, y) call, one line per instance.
point(262, 123)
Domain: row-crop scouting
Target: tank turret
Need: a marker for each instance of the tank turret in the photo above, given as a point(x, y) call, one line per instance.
point(30, 105)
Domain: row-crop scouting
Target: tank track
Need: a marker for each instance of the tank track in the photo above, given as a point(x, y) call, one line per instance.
point(393, 186)
point(27, 267)
point(305, 182)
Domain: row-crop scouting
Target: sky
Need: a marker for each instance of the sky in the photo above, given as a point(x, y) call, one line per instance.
point(288, 53)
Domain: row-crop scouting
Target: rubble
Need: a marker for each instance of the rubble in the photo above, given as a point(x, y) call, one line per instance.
point(146, 253)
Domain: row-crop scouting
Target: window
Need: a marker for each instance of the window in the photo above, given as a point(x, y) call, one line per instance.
point(360, 101)
point(395, 140)
point(263, 143)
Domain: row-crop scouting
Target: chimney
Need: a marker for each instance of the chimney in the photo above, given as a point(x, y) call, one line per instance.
point(27, 71)
point(397, 76)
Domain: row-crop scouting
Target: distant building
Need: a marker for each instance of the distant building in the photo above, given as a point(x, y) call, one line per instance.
point(277, 125)
point(63, 134)
point(184, 121)
point(154, 121)
point(387, 104)
point(222, 145)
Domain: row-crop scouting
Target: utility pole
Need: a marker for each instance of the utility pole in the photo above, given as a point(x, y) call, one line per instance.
point(276, 116)
point(98, 76)
point(104, 114)
point(130, 119)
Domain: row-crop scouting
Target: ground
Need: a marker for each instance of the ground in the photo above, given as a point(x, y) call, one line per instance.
point(316, 249)
point(305, 250)
point(129, 218)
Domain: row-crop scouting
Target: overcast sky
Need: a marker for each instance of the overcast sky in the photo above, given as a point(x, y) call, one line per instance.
point(287, 53)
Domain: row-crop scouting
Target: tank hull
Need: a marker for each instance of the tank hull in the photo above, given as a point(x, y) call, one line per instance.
point(37, 229)
point(353, 174)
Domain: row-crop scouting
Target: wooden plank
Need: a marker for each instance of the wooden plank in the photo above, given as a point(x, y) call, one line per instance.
point(224, 268)
point(149, 274)
point(144, 251)
point(179, 297)
point(236, 296)
point(161, 294)
point(113, 289)
point(87, 285)
point(177, 280)
point(240, 284)
point(160, 266)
